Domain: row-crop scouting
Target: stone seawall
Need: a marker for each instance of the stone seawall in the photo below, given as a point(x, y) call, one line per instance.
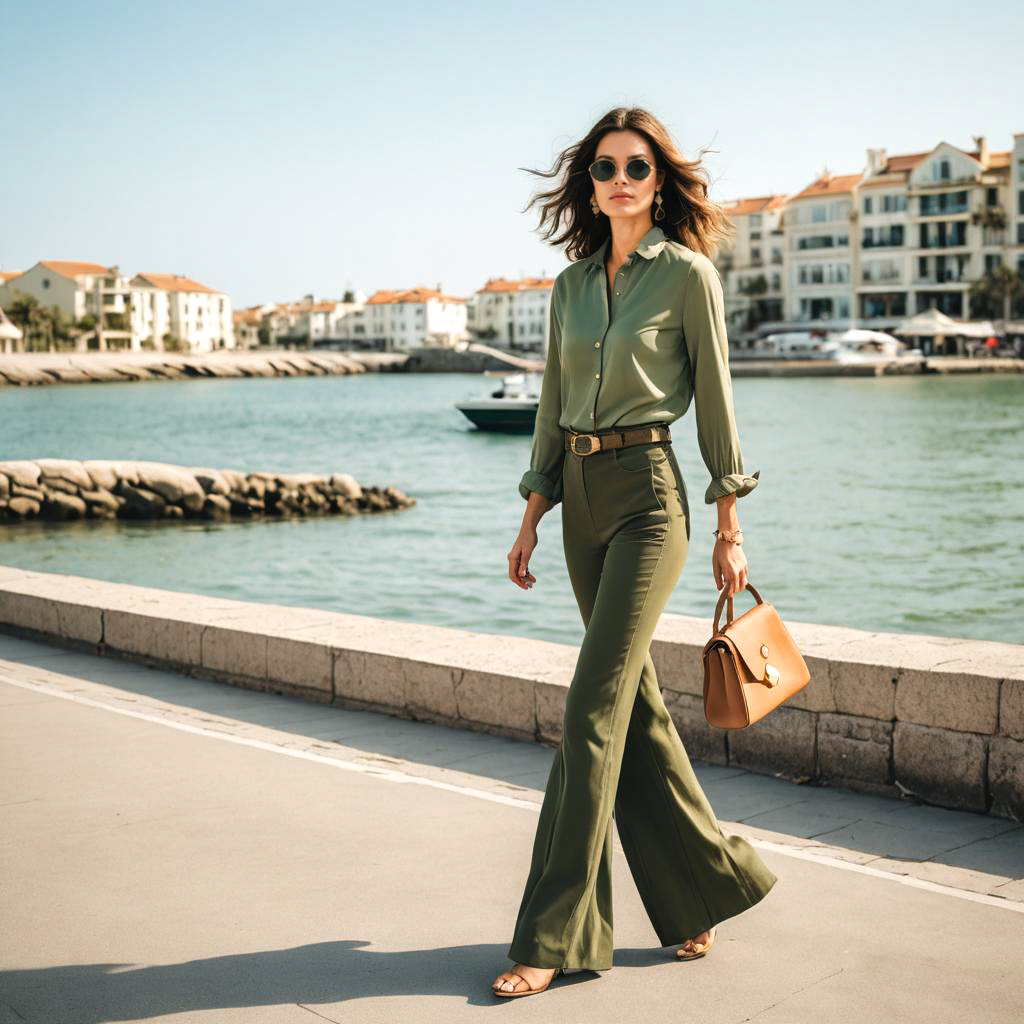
point(33, 368)
point(937, 718)
point(64, 489)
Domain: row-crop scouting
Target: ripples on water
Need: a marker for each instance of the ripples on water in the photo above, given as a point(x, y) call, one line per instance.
point(894, 503)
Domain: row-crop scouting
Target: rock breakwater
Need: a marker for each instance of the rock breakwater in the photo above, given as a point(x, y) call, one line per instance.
point(34, 368)
point(65, 489)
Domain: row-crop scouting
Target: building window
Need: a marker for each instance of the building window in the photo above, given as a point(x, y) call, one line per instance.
point(944, 202)
point(867, 204)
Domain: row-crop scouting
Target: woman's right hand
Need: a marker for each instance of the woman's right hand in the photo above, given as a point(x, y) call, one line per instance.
point(519, 558)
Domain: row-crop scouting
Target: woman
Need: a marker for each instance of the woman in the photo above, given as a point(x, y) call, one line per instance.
point(637, 332)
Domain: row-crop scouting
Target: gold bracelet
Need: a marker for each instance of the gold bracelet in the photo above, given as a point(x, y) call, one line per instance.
point(732, 536)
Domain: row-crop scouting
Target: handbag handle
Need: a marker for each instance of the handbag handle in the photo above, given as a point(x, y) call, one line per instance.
point(721, 599)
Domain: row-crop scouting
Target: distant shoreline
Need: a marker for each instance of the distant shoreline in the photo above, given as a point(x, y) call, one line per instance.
point(28, 369)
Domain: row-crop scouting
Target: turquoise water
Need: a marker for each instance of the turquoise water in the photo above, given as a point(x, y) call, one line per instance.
point(885, 504)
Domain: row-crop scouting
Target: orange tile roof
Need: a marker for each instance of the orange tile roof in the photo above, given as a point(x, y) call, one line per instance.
point(908, 161)
point(904, 161)
point(830, 185)
point(323, 306)
point(7, 275)
point(758, 204)
point(247, 316)
point(884, 179)
point(175, 283)
point(527, 284)
point(421, 294)
point(73, 268)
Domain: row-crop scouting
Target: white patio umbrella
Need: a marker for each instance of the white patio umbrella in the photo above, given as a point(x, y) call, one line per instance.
point(7, 329)
point(931, 321)
point(975, 328)
point(9, 334)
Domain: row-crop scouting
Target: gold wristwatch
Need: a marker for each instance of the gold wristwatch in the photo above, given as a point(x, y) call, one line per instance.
point(733, 536)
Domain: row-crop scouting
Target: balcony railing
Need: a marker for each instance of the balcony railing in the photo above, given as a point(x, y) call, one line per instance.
point(950, 277)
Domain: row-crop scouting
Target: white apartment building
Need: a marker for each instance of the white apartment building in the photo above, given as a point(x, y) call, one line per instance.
point(818, 253)
point(174, 312)
point(909, 232)
point(386, 321)
point(752, 263)
point(146, 311)
point(406, 320)
point(309, 322)
point(248, 322)
point(513, 314)
point(79, 290)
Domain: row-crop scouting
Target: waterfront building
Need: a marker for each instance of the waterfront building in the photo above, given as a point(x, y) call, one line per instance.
point(114, 312)
point(512, 314)
point(248, 324)
point(410, 319)
point(752, 267)
point(85, 292)
point(907, 233)
point(173, 312)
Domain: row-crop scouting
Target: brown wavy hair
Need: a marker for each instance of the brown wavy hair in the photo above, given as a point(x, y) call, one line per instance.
point(690, 216)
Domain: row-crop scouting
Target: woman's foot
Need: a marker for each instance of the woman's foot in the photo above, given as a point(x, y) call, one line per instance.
point(522, 978)
point(698, 945)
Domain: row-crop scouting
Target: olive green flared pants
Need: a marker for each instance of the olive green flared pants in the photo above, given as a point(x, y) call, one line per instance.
point(626, 531)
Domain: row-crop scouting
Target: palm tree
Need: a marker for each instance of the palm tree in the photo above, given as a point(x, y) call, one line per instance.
point(1000, 289)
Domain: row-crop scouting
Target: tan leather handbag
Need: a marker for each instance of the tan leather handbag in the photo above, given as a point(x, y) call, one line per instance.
point(751, 665)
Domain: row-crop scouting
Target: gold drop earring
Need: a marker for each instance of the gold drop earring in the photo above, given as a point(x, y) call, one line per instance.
point(659, 211)
point(593, 204)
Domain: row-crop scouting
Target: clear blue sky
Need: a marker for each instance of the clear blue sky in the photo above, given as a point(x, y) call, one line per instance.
point(275, 149)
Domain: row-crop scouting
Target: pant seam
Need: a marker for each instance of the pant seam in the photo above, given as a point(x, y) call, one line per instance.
point(605, 766)
point(645, 871)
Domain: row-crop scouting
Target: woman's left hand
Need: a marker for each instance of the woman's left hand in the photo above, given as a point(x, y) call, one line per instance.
point(729, 566)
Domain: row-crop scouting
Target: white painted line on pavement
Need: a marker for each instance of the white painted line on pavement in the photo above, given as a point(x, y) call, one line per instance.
point(389, 775)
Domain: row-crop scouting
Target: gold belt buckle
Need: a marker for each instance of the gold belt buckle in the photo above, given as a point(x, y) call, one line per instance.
point(589, 450)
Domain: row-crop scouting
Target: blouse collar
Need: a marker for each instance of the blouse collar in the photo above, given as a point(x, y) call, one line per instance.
point(649, 246)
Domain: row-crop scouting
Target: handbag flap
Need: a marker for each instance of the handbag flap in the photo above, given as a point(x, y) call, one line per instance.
point(759, 637)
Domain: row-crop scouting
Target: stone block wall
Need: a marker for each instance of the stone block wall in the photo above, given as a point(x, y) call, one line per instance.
point(937, 718)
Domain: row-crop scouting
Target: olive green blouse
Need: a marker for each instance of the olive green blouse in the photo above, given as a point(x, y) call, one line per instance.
point(638, 354)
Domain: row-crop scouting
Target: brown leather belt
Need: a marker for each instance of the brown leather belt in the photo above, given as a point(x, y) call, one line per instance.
point(589, 444)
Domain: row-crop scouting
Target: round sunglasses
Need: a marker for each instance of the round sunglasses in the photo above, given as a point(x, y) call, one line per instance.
point(603, 169)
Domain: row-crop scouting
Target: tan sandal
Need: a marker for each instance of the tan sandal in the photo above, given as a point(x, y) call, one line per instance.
point(695, 951)
point(527, 991)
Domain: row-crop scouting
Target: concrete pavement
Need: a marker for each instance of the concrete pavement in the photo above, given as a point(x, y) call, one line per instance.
point(183, 850)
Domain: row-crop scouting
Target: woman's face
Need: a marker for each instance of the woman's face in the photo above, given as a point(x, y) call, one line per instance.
point(621, 195)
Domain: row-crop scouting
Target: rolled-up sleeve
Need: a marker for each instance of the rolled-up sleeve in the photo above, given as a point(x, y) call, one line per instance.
point(548, 454)
point(707, 345)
